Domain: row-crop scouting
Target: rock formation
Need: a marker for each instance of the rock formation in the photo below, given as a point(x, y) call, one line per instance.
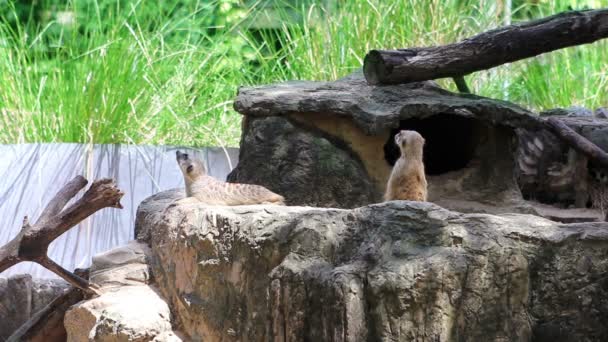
point(129, 308)
point(330, 144)
point(349, 269)
point(21, 297)
point(397, 271)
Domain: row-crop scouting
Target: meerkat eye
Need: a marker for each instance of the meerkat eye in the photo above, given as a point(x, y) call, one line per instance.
point(189, 168)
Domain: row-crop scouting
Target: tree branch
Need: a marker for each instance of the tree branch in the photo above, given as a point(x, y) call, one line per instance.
point(32, 242)
point(486, 50)
point(61, 198)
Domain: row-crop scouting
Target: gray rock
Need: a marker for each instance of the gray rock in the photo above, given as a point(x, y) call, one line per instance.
point(480, 154)
point(375, 109)
point(601, 113)
point(397, 271)
point(128, 313)
point(129, 307)
point(21, 297)
point(330, 144)
point(283, 157)
point(572, 111)
point(121, 266)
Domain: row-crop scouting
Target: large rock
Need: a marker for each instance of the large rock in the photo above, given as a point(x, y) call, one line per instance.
point(331, 144)
point(130, 313)
point(481, 155)
point(296, 159)
point(21, 297)
point(397, 271)
point(129, 307)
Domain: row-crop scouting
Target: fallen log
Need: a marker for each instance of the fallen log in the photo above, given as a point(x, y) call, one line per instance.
point(486, 50)
point(32, 242)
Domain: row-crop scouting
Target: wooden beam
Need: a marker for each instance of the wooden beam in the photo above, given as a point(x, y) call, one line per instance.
point(486, 50)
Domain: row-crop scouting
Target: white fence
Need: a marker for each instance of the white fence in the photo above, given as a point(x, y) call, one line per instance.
point(30, 174)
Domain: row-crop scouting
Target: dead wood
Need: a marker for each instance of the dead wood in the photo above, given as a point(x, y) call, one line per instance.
point(486, 50)
point(32, 242)
point(577, 141)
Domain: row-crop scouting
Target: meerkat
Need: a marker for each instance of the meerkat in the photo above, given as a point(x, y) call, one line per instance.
point(209, 190)
point(407, 180)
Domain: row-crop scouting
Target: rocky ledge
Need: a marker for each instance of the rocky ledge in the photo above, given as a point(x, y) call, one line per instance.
point(397, 271)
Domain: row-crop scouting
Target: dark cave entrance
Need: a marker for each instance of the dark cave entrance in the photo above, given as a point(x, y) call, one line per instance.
point(450, 144)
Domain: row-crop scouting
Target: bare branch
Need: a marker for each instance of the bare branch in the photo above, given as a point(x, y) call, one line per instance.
point(62, 197)
point(32, 241)
point(486, 50)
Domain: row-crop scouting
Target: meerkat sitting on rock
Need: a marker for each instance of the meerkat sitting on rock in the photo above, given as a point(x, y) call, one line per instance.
point(209, 190)
point(407, 180)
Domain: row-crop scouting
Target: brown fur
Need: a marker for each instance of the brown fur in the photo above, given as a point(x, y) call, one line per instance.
point(211, 191)
point(407, 180)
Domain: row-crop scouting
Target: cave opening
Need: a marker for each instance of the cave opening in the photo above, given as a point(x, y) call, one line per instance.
point(450, 142)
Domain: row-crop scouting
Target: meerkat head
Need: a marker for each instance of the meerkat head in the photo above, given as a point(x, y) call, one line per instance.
point(192, 168)
point(410, 143)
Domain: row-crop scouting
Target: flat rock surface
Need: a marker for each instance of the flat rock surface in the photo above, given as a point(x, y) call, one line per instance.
point(397, 271)
point(375, 108)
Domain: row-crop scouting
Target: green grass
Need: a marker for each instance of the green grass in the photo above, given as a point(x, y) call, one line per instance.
point(127, 72)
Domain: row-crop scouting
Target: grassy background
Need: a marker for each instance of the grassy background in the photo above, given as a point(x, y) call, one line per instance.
point(145, 72)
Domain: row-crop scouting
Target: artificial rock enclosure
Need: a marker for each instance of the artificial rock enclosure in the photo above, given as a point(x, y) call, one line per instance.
point(495, 256)
point(330, 144)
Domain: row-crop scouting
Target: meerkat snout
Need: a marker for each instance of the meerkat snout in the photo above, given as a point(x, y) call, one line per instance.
point(192, 168)
point(181, 156)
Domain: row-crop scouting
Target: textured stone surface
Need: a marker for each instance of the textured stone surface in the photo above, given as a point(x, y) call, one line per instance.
point(480, 153)
point(601, 113)
point(572, 111)
point(129, 308)
point(550, 171)
point(398, 271)
point(21, 297)
point(128, 313)
point(375, 108)
point(301, 137)
point(121, 266)
point(286, 158)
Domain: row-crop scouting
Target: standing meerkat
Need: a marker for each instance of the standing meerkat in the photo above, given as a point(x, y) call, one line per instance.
point(211, 191)
point(407, 180)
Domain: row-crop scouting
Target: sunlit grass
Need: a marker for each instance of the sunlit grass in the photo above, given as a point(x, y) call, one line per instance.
point(146, 78)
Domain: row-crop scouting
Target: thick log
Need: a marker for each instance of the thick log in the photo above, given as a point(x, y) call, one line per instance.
point(578, 142)
point(32, 242)
point(486, 50)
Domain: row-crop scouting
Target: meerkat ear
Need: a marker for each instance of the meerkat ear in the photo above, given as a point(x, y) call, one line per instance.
point(189, 168)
